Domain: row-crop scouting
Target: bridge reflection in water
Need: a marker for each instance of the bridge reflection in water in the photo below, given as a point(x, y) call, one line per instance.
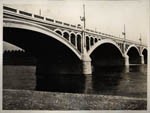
point(125, 81)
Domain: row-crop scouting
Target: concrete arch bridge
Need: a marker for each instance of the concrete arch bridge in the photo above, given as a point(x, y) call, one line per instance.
point(61, 45)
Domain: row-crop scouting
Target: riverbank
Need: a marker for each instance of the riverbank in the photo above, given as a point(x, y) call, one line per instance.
point(38, 100)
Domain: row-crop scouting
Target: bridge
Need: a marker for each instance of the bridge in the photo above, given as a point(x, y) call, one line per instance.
point(61, 45)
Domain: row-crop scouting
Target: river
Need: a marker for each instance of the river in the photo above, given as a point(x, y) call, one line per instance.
point(128, 81)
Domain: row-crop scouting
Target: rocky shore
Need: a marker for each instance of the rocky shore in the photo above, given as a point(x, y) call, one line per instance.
point(38, 100)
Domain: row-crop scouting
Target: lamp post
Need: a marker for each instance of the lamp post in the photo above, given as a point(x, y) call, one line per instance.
point(142, 57)
point(124, 48)
point(40, 12)
point(83, 31)
point(140, 40)
point(86, 60)
point(124, 34)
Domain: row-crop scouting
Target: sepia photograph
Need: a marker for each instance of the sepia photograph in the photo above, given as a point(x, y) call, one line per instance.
point(75, 55)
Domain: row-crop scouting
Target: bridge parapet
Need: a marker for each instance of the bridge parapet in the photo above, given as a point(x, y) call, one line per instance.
point(117, 39)
point(39, 17)
point(59, 24)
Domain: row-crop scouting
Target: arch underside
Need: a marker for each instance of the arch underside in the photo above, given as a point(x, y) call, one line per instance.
point(104, 41)
point(106, 54)
point(9, 23)
point(132, 46)
point(50, 50)
point(134, 55)
point(144, 53)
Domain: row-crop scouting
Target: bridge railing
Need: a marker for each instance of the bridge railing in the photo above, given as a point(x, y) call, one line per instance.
point(104, 35)
point(13, 10)
point(25, 13)
point(16, 11)
point(10, 9)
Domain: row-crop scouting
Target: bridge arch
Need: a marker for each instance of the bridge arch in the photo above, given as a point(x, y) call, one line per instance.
point(135, 57)
point(87, 42)
point(72, 33)
point(79, 34)
point(11, 23)
point(66, 35)
point(102, 42)
point(73, 38)
point(91, 41)
point(100, 38)
point(65, 31)
point(58, 31)
point(96, 39)
point(132, 46)
point(79, 39)
point(144, 49)
point(144, 52)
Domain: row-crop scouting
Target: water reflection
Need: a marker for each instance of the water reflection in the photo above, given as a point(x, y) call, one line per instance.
point(109, 80)
point(126, 81)
point(106, 78)
point(61, 83)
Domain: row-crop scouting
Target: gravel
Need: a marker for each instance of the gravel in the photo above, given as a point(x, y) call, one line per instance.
point(38, 100)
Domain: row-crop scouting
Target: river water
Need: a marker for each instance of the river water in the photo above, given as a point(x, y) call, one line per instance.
point(128, 81)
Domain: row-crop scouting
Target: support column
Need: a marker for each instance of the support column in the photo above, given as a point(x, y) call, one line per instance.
point(69, 38)
point(86, 60)
point(127, 69)
point(86, 64)
point(76, 42)
point(142, 59)
point(126, 60)
point(89, 43)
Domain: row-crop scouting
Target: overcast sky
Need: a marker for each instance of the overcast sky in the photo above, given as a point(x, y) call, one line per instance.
point(107, 16)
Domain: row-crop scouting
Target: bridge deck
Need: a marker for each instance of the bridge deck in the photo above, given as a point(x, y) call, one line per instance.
point(18, 14)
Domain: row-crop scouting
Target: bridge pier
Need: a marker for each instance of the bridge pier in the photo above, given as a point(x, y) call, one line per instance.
point(86, 65)
point(126, 58)
point(142, 59)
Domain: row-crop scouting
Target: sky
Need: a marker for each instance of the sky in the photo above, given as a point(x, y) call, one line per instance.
point(107, 16)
